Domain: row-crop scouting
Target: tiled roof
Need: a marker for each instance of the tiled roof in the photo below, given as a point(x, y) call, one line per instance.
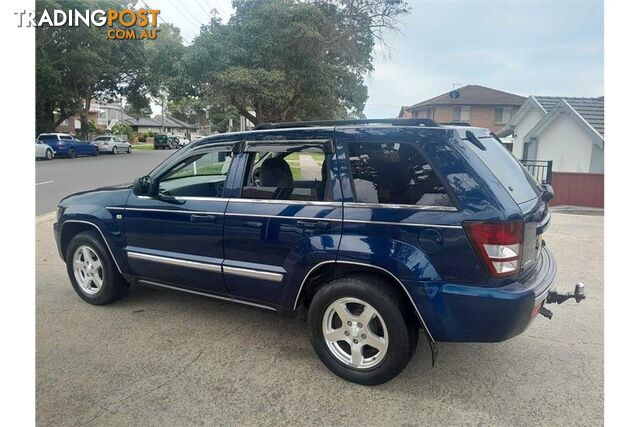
point(474, 95)
point(591, 109)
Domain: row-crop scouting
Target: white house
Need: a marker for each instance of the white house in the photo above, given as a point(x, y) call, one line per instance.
point(569, 131)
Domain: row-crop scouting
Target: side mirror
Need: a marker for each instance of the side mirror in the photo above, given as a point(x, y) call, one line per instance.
point(144, 186)
point(547, 192)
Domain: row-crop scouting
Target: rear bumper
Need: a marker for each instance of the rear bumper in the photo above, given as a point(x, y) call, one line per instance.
point(466, 313)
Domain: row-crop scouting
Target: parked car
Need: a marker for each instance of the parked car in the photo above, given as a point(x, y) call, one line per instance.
point(43, 151)
point(162, 141)
point(183, 142)
point(67, 145)
point(376, 229)
point(113, 144)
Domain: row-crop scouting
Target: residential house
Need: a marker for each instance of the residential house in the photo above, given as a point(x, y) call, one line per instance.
point(171, 125)
point(103, 115)
point(568, 131)
point(472, 104)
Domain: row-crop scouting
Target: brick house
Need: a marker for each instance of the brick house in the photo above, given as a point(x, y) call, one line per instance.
point(473, 104)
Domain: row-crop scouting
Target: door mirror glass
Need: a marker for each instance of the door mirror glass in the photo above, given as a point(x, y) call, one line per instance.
point(144, 186)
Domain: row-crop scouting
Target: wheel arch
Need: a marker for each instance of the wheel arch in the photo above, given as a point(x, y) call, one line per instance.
point(73, 227)
point(325, 271)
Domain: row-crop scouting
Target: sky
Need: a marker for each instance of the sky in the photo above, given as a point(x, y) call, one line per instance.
point(527, 47)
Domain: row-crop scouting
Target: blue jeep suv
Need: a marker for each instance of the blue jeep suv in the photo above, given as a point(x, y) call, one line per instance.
point(374, 229)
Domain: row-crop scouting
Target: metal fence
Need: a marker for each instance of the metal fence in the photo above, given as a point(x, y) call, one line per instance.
point(540, 169)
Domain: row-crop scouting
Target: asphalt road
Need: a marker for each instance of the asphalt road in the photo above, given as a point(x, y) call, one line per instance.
point(58, 178)
point(166, 358)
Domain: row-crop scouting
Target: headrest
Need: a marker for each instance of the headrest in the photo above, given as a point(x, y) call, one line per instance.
point(275, 172)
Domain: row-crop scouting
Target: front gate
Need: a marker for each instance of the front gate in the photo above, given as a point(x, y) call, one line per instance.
point(541, 170)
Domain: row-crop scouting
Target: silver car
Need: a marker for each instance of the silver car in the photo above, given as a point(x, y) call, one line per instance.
point(113, 144)
point(43, 151)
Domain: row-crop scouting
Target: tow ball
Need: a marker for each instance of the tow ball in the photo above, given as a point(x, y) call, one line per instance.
point(554, 297)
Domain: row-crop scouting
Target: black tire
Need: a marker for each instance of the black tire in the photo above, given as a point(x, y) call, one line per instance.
point(96, 153)
point(129, 149)
point(72, 153)
point(114, 286)
point(115, 150)
point(48, 155)
point(398, 318)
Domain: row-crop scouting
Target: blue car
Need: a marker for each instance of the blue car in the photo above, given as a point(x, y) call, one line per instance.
point(374, 229)
point(66, 145)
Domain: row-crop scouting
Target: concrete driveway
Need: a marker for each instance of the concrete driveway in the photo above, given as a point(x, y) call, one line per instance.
point(167, 358)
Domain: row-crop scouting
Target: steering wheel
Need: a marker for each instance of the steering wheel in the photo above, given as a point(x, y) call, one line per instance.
point(255, 176)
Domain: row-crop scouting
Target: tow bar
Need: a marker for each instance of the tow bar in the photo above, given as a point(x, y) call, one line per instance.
point(554, 297)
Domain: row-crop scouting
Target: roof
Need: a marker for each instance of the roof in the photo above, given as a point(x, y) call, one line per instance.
point(156, 122)
point(590, 109)
point(473, 95)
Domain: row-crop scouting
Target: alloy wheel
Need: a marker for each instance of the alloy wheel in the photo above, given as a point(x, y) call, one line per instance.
point(355, 333)
point(88, 270)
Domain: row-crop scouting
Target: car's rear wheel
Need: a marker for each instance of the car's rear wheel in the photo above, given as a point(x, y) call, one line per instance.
point(72, 153)
point(48, 154)
point(361, 330)
point(129, 149)
point(93, 274)
point(115, 150)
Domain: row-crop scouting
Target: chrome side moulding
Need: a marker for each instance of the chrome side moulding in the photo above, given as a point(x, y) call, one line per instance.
point(253, 274)
point(304, 281)
point(399, 206)
point(288, 202)
point(408, 224)
point(106, 242)
point(176, 261)
point(172, 211)
point(305, 218)
point(189, 291)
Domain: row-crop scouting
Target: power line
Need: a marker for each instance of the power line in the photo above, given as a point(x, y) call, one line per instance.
point(189, 12)
point(203, 8)
point(182, 13)
point(163, 21)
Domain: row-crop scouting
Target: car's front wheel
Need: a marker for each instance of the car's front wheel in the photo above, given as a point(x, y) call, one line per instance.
point(361, 330)
point(114, 151)
point(93, 274)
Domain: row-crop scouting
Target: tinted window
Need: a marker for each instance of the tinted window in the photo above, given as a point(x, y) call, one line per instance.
point(202, 175)
point(66, 137)
point(297, 175)
point(513, 177)
point(48, 137)
point(395, 173)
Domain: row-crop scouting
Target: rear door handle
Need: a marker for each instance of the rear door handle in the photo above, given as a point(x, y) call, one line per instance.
point(313, 224)
point(203, 218)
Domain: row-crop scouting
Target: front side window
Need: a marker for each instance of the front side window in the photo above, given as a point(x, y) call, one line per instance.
point(298, 174)
point(394, 173)
point(202, 175)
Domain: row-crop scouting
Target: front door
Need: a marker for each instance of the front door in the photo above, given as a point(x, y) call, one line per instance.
point(287, 218)
point(175, 238)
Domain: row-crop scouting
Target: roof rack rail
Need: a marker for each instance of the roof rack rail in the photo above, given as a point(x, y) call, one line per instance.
point(317, 123)
point(456, 124)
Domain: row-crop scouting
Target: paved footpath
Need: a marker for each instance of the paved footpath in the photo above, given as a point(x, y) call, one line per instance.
point(166, 358)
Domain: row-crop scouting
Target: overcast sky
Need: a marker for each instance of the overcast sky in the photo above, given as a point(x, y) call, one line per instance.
point(528, 47)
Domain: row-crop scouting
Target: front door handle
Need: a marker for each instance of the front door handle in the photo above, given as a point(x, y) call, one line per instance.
point(323, 225)
point(203, 218)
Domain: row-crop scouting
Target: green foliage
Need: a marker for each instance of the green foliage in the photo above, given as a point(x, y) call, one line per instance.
point(76, 64)
point(122, 129)
point(281, 60)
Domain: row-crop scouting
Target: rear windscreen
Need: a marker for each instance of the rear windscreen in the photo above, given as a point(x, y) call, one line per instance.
point(513, 177)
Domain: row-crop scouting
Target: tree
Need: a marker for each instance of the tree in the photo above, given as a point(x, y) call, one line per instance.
point(77, 64)
point(282, 60)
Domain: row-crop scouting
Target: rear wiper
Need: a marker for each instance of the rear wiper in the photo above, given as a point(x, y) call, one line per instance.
point(472, 138)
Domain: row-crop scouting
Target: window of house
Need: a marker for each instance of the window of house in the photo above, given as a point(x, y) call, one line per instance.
point(461, 114)
point(394, 173)
point(502, 114)
point(202, 175)
point(287, 173)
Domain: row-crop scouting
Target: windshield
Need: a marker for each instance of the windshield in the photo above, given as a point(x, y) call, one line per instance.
point(506, 168)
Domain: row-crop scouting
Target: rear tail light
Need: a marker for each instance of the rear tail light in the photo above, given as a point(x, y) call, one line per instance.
point(499, 245)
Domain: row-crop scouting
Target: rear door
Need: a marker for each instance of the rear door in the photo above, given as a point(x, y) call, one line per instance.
point(286, 219)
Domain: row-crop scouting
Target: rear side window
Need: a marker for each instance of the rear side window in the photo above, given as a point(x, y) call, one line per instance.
point(513, 177)
point(394, 173)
